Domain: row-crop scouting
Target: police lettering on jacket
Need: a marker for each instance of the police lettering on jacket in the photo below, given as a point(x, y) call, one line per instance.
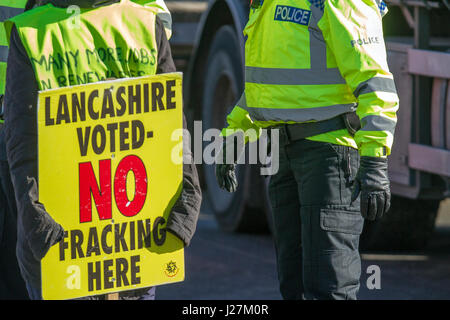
point(365, 41)
point(292, 14)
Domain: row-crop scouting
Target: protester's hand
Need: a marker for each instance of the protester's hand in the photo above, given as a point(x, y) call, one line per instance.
point(226, 177)
point(43, 231)
point(372, 183)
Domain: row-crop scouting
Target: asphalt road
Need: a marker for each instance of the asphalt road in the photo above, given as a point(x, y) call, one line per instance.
point(224, 266)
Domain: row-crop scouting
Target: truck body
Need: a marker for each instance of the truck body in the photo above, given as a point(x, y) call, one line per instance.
point(417, 35)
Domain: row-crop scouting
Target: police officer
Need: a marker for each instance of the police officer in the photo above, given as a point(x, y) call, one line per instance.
point(12, 285)
point(317, 71)
point(40, 33)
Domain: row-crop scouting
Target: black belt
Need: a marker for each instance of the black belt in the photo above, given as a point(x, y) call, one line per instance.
point(298, 131)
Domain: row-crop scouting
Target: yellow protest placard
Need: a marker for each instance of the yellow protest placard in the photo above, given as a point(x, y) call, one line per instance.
point(107, 174)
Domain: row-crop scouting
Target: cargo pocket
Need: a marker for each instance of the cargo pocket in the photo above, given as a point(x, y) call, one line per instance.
point(339, 263)
point(342, 221)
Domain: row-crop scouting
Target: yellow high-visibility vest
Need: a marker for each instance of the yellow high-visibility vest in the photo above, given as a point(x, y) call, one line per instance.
point(161, 11)
point(310, 62)
point(8, 9)
point(66, 48)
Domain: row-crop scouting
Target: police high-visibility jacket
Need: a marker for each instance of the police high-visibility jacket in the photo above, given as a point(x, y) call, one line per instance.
point(311, 61)
point(8, 9)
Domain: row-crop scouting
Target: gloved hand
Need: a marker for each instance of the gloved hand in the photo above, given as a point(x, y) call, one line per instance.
point(373, 183)
point(226, 164)
point(226, 177)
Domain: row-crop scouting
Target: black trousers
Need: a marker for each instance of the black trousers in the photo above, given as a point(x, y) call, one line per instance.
point(316, 228)
point(12, 286)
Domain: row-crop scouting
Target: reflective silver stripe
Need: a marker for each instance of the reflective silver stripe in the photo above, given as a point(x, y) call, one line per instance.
point(375, 84)
point(378, 123)
point(3, 53)
point(8, 12)
point(242, 102)
point(298, 114)
point(318, 51)
point(317, 46)
point(316, 10)
point(279, 76)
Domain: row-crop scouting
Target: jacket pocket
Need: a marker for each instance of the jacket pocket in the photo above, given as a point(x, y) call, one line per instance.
point(341, 221)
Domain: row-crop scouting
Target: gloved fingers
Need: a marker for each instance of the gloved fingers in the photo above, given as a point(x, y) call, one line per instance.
point(356, 190)
point(368, 206)
point(226, 183)
point(232, 187)
point(364, 204)
point(232, 181)
point(387, 204)
point(372, 207)
point(226, 177)
point(380, 204)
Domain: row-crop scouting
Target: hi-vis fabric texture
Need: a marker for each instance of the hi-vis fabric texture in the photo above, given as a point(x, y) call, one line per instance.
point(312, 62)
point(161, 8)
point(8, 9)
point(162, 12)
point(128, 51)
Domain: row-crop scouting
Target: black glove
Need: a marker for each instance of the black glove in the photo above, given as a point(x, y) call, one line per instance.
point(226, 177)
point(373, 183)
point(225, 172)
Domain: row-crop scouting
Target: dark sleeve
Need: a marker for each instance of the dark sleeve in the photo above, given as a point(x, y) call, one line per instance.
point(21, 147)
point(165, 60)
point(183, 218)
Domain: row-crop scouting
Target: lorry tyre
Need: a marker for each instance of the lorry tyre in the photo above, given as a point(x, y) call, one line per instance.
point(224, 82)
point(408, 225)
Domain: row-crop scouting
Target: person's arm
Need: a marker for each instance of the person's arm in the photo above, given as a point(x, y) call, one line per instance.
point(21, 144)
point(239, 120)
point(165, 60)
point(183, 218)
point(353, 31)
